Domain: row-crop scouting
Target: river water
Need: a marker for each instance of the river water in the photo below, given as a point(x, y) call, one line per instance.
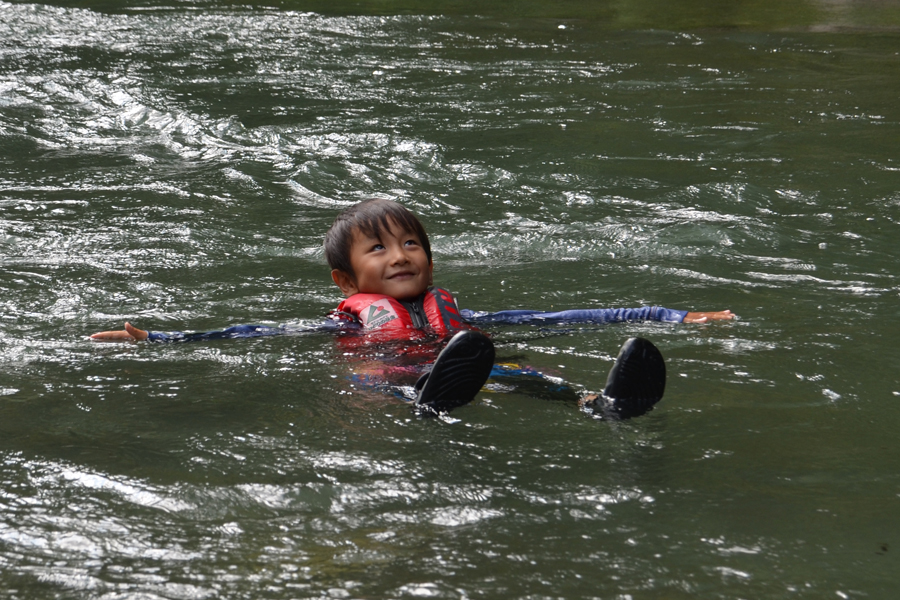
point(176, 165)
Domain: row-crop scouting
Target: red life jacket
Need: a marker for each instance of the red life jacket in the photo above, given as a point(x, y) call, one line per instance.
point(435, 311)
point(411, 331)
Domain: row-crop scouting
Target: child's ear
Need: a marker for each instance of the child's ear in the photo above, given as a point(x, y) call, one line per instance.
point(345, 281)
point(430, 272)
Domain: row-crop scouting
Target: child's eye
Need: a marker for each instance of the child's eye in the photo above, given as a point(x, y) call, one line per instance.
point(411, 243)
point(377, 247)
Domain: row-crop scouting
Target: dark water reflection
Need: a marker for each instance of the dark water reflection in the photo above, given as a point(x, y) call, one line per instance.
point(816, 15)
point(177, 168)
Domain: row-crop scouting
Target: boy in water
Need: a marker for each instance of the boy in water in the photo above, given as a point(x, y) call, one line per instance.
point(381, 260)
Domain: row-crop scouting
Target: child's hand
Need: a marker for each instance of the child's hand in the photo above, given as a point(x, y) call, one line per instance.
point(131, 334)
point(703, 317)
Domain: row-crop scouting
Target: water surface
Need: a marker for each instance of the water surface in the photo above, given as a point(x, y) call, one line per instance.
point(177, 165)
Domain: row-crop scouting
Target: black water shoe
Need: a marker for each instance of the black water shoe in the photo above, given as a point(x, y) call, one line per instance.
point(460, 370)
point(635, 384)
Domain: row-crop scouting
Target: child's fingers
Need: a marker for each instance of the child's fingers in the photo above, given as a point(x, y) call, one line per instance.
point(113, 336)
point(703, 317)
point(138, 334)
point(129, 334)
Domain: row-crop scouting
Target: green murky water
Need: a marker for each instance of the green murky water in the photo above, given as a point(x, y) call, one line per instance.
point(176, 165)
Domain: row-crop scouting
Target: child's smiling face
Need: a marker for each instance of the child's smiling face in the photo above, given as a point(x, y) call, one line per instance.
point(394, 264)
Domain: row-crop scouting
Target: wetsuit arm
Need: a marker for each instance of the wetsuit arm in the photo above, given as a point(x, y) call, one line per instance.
point(587, 315)
point(252, 331)
point(238, 331)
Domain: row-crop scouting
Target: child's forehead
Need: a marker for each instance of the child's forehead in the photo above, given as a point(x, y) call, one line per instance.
point(375, 231)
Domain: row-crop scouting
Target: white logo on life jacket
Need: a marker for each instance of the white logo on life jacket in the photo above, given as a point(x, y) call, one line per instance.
point(377, 315)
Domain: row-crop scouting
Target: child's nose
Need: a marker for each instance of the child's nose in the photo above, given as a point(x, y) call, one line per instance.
point(399, 255)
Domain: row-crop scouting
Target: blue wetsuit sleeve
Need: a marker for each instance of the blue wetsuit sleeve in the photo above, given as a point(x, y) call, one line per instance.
point(238, 331)
point(586, 315)
point(511, 317)
point(250, 331)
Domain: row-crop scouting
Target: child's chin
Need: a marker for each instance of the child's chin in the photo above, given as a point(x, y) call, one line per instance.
point(404, 292)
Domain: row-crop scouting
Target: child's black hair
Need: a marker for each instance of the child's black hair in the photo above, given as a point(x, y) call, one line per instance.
point(370, 217)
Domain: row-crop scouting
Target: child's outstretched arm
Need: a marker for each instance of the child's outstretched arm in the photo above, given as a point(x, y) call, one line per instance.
point(129, 334)
point(595, 315)
point(703, 317)
point(133, 334)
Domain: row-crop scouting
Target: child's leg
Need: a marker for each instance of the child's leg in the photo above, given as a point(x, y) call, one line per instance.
point(460, 371)
point(635, 383)
point(512, 377)
point(452, 380)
